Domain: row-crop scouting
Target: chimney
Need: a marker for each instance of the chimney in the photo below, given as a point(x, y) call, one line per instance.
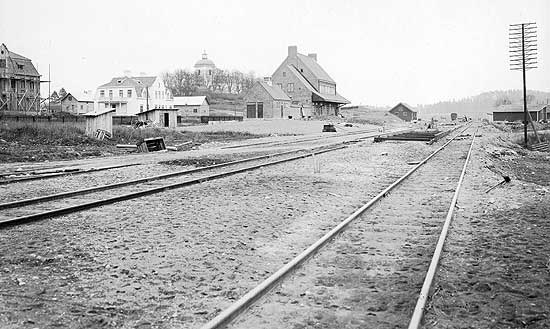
point(292, 51)
point(268, 81)
point(314, 56)
point(127, 73)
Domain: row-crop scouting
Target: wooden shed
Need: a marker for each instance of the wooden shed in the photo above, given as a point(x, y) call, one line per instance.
point(163, 117)
point(515, 113)
point(404, 111)
point(96, 122)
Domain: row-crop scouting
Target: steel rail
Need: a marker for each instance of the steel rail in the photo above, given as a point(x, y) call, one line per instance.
point(19, 203)
point(25, 202)
point(133, 195)
point(424, 292)
point(230, 313)
point(306, 139)
point(64, 173)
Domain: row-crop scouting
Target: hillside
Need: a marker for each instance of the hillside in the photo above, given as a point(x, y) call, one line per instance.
point(369, 115)
point(478, 106)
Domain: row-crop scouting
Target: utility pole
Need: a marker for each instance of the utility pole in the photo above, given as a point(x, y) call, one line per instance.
point(147, 98)
point(49, 91)
point(523, 56)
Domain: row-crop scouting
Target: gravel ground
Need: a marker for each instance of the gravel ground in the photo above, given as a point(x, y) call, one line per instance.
point(370, 276)
point(177, 258)
point(495, 271)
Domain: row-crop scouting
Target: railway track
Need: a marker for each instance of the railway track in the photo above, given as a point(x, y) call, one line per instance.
point(300, 140)
point(52, 205)
point(371, 275)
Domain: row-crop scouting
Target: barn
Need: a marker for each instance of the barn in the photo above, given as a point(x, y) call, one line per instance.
point(514, 112)
point(404, 111)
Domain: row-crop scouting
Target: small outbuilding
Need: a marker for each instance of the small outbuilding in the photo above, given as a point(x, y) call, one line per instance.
point(162, 117)
point(266, 101)
point(191, 108)
point(514, 112)
point(404, 111)
point(99, 123)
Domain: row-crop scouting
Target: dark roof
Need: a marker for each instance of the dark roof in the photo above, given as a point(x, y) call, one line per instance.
point(337, 98)
point(513, 108)
point(315, 68)
point(14, 59)
point(157, 109)
point(95, 114)
point(79, 98)
point(274, 91)
point(407, 106)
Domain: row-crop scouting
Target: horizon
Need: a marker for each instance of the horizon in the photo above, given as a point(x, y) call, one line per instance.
point(379, 53)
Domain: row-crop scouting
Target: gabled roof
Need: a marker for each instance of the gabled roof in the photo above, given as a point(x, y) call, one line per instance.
point(274, 91)
point(13, 60)
point(137, 82)
point(81, 97)
point(337, 98)
point(513, 108)
point(407, 106)
point(315, 68)
point(190, 100)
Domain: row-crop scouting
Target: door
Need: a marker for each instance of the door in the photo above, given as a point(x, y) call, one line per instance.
point(260, 110)
point(166, 120)
point(250, 110)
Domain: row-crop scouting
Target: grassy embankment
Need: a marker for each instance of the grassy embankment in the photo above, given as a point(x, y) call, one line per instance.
point(23, 141)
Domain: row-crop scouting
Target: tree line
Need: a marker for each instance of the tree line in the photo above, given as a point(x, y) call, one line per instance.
point(182, 82)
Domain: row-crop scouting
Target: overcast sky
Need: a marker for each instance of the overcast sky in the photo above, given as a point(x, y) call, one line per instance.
point(378, 52)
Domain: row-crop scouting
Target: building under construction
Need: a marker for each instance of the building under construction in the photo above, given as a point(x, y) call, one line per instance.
point(19, 83)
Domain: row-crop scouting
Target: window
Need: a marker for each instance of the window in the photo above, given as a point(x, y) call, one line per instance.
point(129, 93)
point(31, 85)
point(102, 93)
point(284, 74)
point(70, 98)
point(81, 107)
point(120, 93)
point(209, 72)
point(3, 63)
point(195, 110)
point(280, 85)
point(141, 108)
point(12, 83)
point(106, 105)
point(20, 66)
point(110, 93)
point(22, 84)
point(198, 71)
point(290, 87)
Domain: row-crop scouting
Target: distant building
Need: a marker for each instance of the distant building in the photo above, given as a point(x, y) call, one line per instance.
point(308, 85)
point(266, 101)
point(19, 82)
point(132, 95)
point(404, 111)
point(514, 112)
point(205, 68)
point(192, 106)
point(75, 103)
